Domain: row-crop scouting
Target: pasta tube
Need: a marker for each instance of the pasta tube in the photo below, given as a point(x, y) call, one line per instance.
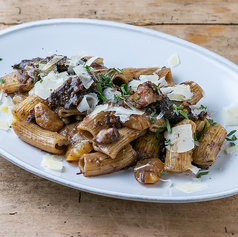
point(196, 90)
point(92, 124)
point(26, 108)
point(38, 137)
point(158, 124)
point(75, 150)
point(126, 136)
point(148, 171)
point(180, 162)
point(18, 98)
point(211, 142)
point(97, 163)
point(149, 145)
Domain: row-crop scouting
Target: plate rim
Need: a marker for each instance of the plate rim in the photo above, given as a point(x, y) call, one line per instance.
point(199, 49)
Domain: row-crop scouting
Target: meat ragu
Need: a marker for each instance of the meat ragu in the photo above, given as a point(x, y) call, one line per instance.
point(108, 119)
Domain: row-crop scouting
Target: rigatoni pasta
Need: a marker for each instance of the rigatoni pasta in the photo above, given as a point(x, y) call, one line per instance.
point(107, 119)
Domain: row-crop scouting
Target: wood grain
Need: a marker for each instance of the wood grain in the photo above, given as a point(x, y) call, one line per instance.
point(32, 206)
point(126, 11)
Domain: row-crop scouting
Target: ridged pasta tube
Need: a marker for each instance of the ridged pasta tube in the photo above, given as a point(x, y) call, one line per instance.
point(97, 163)
point(211, 142)
point(38, 137)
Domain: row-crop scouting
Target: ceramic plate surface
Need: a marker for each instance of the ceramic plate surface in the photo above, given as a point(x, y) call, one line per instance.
point(124, 46)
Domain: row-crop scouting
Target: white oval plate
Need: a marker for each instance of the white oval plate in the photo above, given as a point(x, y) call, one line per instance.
point(124, 46)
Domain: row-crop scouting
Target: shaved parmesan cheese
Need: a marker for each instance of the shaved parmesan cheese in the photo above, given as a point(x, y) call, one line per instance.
point(181, 138)
point(134, 84)
point(178, 92)
point(153, 78)
point(84, 76)
point(194, 169)
point(189, 187)
point(1, 95)
point(110, 92)
point(50, 83)
point(173, 61)
point(52, 162)
point(4, 125)
point(76, 59)
point(88, 102)
point(168, 182)
point(231, 114)
point(231, 150)
point(124, 113)
point(99, 108)
point(53, 61)
point(91, 60)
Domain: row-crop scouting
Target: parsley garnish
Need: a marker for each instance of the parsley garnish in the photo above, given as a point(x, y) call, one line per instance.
point(183, 114)
point(138, 97)
point(152, 118)
point(41, 81)
point(168, 125)
point(232, 144)
point(125, 90)
point(203, 107)
point(203, 129)
point(195, 138)
point(2, 81)
point(231, 133)
point(35, 79)
point(157, 134)
point(212, 122)
point(0, 59)
point(118, 98)
point(149, 90)
point(233, 138)
point(168, 142)
point(164, 173)
point(176, 108)
point(156, 86)
point(201, 174)
point(101, 96)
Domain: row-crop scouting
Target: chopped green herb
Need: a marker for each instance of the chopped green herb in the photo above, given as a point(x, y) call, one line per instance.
point(203, 129)
point(195, 138)
point(89, 69)
point(0, 59)
point(13, 81)
point(101, 96)
point(152, 119)
point(232, 144)
point(156, 86)
point(125, 90)
point(183, 114)
point(176, 108)
point(168, 142)
point(231, 133)
point(41, 81)
point(213, 123)
point(203, 107)
point(2, 81)
point(10, 126)
point(201, 174)
point(157, 134)
point(167, 108)
point(152, 114)
point(35, 79)
point(168, 125)
point(153, 144)
point(41, 61)
point(138, 97)
point(164, 173)
point(149, 89)
point(118, 98)
point(114, 70)
point(233, 138)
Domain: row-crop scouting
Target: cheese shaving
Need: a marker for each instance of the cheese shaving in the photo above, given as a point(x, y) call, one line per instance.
point(178, 92)
point(189, 187)
point(84, 76)
point(181, 138)
point(91, 60)
point(88, 102)
point(231, 114)
point(173, 60)
point(231, 150)
point(52, 162)
point(53, 61)
point(4, 125)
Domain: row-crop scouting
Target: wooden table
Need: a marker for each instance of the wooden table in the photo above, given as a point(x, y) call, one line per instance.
point(32, 206)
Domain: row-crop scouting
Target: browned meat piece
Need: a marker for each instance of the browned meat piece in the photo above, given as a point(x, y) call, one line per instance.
point(146, 94)
point(106, 136)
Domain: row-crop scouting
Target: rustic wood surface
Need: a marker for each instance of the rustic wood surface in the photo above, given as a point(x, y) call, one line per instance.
point(32, 206)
